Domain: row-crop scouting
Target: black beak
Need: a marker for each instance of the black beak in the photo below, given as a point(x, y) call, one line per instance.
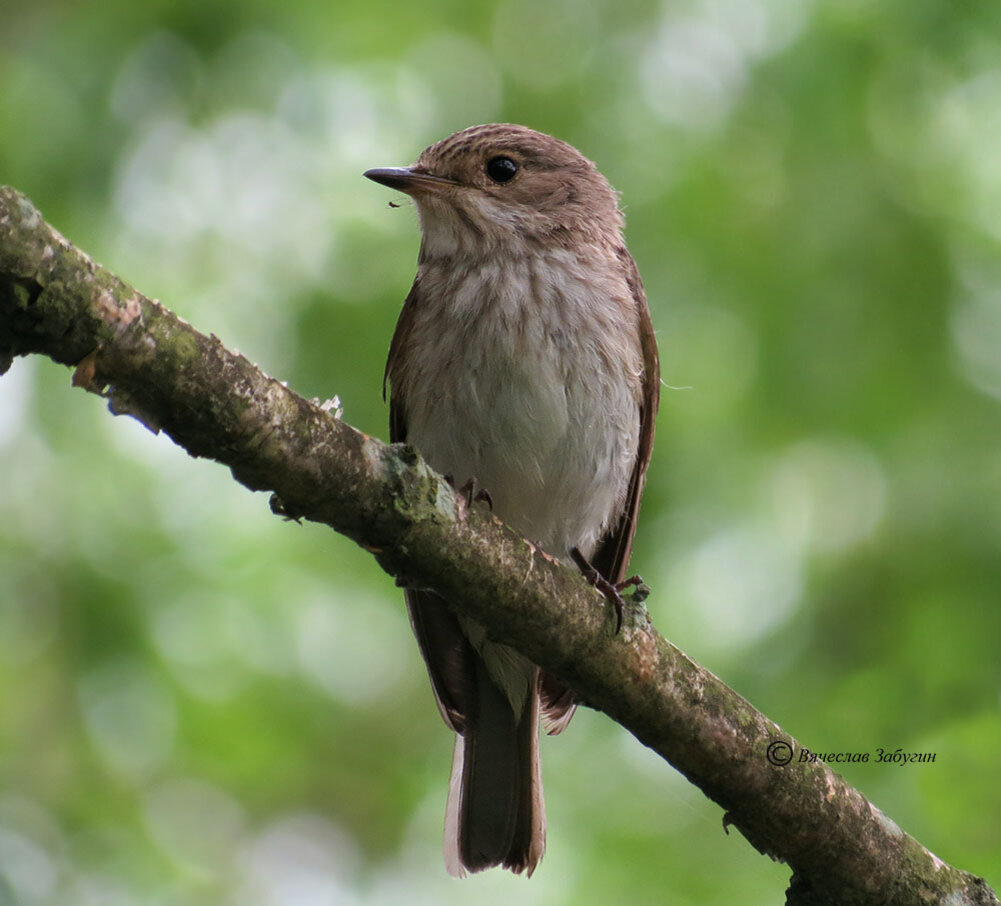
point(409, 179)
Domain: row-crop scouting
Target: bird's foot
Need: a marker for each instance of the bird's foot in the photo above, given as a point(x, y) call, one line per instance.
point(611, 590)
point(471, 492)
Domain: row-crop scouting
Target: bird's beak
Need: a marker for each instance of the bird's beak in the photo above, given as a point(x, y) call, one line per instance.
point(409, 180)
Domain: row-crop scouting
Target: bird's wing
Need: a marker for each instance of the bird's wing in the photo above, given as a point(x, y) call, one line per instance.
point(611, 558)
point(449, 657)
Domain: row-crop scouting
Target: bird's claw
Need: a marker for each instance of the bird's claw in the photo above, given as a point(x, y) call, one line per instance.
point(611, 590)
point(470, 492)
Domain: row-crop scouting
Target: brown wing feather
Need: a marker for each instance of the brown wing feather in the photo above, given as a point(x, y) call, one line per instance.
point(396, 346)
point(611, 558)
point(449, 657)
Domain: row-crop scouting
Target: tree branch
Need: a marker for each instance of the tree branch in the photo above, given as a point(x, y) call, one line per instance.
point(56, 301)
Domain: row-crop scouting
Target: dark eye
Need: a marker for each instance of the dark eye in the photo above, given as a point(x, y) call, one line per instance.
point(501, 169)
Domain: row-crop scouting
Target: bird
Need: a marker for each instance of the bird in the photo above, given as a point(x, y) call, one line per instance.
point(524, 363)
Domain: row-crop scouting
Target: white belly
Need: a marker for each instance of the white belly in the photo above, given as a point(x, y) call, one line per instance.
point(530, 403)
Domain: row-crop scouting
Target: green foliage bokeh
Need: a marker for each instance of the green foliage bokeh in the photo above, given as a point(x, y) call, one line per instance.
point(200, 704)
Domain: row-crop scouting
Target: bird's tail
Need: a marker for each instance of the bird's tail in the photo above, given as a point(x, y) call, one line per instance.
point(495, 813)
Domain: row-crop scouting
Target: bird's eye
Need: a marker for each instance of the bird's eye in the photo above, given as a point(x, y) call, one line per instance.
point(501, 169)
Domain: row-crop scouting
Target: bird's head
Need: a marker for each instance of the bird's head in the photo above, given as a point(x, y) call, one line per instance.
point(505, 186)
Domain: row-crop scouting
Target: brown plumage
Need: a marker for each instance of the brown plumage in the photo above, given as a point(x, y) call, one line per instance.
point(524, 358)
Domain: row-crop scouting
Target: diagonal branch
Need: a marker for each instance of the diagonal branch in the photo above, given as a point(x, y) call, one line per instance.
point(56, 301)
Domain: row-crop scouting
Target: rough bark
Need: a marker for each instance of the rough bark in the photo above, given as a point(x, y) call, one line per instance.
point(56, 301)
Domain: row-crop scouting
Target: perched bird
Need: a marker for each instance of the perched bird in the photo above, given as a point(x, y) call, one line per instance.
point(524, 359)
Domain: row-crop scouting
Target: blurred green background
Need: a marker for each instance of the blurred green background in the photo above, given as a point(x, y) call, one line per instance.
point(201, 704)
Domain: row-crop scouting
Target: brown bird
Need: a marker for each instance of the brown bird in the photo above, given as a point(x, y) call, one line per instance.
point(523, 359)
